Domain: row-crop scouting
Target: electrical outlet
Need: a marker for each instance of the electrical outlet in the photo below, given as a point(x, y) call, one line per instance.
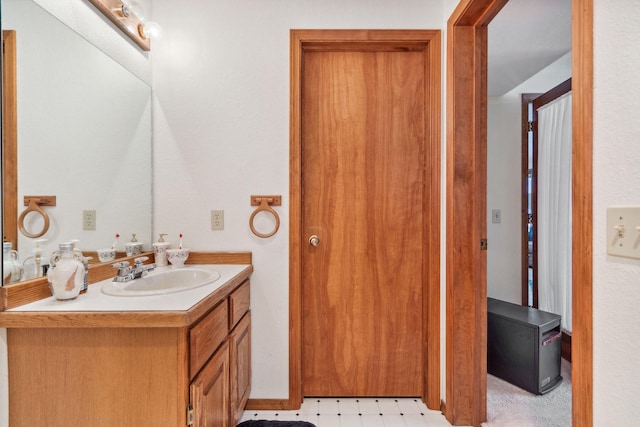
point(89, 220)
point(217, 220)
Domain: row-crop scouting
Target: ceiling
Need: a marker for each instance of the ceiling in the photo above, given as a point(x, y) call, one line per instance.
point(524, 38)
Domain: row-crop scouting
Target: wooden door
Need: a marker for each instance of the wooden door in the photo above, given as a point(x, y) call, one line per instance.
point(363, 149)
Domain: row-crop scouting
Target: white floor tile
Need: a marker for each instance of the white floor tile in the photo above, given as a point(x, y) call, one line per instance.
point(372, 420)
point(394, 420)
point(348, 406)
point(351, 420)
point(328, 406)
point(328, 421)
point(409, 406)
point(368, 406)
point(309, 406)
point(415, 420)
point(388, 406)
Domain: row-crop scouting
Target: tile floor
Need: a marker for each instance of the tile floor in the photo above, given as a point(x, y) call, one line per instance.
point(357, 412)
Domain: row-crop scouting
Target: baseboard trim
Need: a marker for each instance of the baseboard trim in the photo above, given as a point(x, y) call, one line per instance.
point(565, 347)
point(268, 404)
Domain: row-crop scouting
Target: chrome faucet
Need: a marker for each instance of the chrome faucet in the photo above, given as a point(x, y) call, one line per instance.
point(127, 273)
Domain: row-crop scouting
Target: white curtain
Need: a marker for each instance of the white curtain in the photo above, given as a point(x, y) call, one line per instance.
point(554, 208)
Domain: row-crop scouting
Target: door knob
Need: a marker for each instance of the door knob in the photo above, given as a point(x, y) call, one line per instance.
point(314, 241)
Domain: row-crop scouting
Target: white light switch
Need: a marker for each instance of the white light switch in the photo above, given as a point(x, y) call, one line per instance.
point(623, 232)
point(496, 216)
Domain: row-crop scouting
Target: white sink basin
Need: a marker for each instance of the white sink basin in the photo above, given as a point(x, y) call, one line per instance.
point(162, 282)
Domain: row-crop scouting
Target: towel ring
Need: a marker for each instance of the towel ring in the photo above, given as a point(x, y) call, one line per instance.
point(33, 205)
point(265, 206)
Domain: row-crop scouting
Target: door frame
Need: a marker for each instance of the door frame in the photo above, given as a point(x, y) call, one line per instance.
point(330, 40)
point(466, 141)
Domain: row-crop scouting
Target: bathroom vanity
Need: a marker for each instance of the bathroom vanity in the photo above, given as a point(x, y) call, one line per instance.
point(164, 360)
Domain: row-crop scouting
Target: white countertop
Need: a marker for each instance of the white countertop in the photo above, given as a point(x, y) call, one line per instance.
point(96, 301)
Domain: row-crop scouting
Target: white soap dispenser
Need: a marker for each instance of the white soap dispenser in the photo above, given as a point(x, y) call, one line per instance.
point(160, 251)
point(33, 264)
point(133, 247)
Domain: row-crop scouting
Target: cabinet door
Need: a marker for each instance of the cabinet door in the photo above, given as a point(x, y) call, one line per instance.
point(240, 359)
point(210, 391)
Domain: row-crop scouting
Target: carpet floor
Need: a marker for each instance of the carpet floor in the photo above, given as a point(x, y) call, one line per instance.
point(509, 406)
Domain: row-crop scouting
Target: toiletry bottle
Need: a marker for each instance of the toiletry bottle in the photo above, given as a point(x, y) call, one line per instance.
point(32, 266)
point(133, 247)
point(66, 274)
point(160, 251)
point(11, 268)
point(85, 262)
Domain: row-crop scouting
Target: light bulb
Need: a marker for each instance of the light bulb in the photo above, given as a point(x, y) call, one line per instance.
point(132, 7)
point(150, 30)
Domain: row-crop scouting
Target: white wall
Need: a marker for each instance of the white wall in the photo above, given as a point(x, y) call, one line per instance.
point(504, 150)
point(616, 181)
point(221, 122)
point(85, 19)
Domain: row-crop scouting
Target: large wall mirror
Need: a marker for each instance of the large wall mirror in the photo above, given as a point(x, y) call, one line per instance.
point(83, 134)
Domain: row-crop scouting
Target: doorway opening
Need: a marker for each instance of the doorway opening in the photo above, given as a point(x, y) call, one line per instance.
point(466, 211)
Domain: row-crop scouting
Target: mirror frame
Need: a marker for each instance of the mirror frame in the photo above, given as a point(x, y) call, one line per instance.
point(9, 139)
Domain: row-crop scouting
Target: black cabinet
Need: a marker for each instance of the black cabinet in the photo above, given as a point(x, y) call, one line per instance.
point(523, 346)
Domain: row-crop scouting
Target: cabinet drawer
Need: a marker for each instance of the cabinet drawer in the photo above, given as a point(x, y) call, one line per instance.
point(206, 336)
point(239, 301)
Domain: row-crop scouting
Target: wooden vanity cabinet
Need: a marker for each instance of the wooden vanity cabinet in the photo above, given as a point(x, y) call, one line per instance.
point(240, 351)
point(220, 390)
point(178, 372)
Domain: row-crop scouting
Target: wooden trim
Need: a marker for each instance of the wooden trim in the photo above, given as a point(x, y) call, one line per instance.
point(267, 404)
point(565, 347)
point(582, 202)
point(9, 139)
point(12, 296)
point(466, 327)
point(322, 39)
point(465, 404)
point(431, 203)
point(526, 99)
point(551, 95)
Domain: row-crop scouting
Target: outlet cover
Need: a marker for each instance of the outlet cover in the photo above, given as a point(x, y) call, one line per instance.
point(89, 220)
point(217, 220)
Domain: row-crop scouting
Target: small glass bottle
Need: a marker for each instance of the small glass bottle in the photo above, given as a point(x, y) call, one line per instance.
point(85, 261)
point(66, 274)
point(11, 268)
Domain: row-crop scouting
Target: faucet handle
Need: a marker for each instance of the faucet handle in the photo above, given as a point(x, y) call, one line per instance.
point(140, 260)
point(122, 264)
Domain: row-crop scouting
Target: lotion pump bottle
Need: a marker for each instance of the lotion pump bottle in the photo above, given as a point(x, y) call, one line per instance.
point(160, 251)
point(33, 265)
point(85, 263)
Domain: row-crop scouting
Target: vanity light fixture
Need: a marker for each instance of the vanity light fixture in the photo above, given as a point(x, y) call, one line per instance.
point(150, 30)
point(128, 15)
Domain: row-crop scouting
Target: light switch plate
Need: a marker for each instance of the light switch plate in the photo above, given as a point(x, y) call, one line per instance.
point(623, 231)
point(496, 216)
